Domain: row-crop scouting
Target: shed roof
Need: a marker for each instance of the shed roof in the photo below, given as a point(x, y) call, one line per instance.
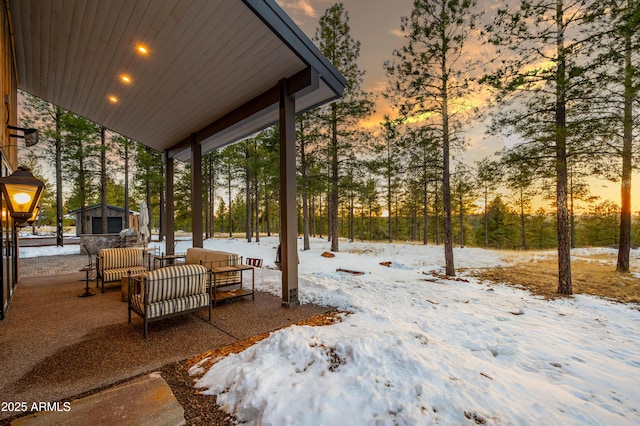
point(98, 206)
point(211, 72)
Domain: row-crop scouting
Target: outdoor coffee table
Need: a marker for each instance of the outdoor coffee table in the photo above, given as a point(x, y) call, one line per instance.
point(167, 259)
point(218, 295)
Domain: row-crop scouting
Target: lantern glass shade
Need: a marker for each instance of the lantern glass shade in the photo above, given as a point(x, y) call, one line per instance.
point(34, 216)
point(22, 192)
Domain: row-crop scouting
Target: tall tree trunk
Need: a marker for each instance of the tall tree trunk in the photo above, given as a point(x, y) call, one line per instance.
point(522, 223)
point(59, 200)
point(82, 191)
point(564, 248)
point(257, 210)
point(127, 223)
point(446, 186)
point(229, 177)
point(437, 214)
point(212, 198)
point(333, 205)
point(312, 217)
point(486, 217)
point(103, 181)
point(370, 222)
point(207, 201)
point(161, 202)
point(389, 199)
point(351, 218)
point(148, 195)
point(320, 220)
point(627, 150)
point(247, 199)
point(572, 217)
point(425, 214)
point(461, 221)
point(305, 192)
point(267, 212)
point(397, 218)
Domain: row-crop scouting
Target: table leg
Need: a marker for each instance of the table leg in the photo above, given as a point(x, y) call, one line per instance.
point(86, 286)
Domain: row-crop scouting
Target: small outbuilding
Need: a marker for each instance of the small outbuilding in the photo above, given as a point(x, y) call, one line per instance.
point(93, 219)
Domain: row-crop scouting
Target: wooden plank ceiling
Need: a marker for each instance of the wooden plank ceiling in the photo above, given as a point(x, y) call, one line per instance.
point(205, 59)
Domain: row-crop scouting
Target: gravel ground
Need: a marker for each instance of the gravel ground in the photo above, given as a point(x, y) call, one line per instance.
point(57, 346)
point(198, 409)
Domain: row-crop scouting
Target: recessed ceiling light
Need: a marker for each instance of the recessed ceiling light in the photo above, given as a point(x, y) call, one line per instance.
point(125, 78)
point(113, 99)
point(142, 49)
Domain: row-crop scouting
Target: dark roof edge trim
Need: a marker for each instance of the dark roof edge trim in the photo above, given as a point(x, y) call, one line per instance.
point(290, 34)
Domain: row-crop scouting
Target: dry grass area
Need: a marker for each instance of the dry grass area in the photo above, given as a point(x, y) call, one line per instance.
point(591, 274)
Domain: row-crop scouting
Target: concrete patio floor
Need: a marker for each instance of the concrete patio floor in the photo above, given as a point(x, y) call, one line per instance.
point(55, 346)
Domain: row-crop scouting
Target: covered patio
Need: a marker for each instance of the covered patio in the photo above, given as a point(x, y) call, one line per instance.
point(57, 346)
point(181, 77)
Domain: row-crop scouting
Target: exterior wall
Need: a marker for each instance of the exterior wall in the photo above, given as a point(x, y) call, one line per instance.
point(8, 161)
point(97, 212)
point(94, 243)
point(9, 93)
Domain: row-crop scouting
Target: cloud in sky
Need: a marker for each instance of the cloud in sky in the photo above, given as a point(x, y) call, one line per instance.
point(397, 32)
point(298, 7)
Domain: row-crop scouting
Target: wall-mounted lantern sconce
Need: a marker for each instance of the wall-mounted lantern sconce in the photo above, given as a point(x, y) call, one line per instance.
point(22, 192)
point(34, 216)
point(30, 136)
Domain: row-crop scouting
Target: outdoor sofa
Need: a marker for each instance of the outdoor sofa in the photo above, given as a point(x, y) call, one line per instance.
point(113, 264)
point(169, 291)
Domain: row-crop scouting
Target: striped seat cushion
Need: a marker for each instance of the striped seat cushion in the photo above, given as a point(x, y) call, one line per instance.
point(118, 273)
point(169, 307)
point(115, 258)
point(175, 282)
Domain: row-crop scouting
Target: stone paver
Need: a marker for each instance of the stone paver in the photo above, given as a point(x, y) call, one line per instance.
point(147, 400)
point(46, 266)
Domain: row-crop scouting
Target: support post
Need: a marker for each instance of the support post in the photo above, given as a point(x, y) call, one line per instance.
point(169, 222)
point(288, 217)
point(196, 192)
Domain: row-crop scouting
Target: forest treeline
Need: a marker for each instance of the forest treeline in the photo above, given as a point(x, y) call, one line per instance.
point(559, 76)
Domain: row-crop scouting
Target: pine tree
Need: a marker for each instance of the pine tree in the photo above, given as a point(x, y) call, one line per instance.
point(49, 118)
point(79, 161)
point(540, 78)
point(149, 181)
point(464, 194)
point(488, 177)
point(335, 42)
point(621, 45)
point(430, 79)
point(501, 225)
point(123, 147)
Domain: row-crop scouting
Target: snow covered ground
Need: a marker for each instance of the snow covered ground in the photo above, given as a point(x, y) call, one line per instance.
point(420, 349)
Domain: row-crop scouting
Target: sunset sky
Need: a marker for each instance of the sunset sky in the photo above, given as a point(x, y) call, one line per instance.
point(376, 24)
